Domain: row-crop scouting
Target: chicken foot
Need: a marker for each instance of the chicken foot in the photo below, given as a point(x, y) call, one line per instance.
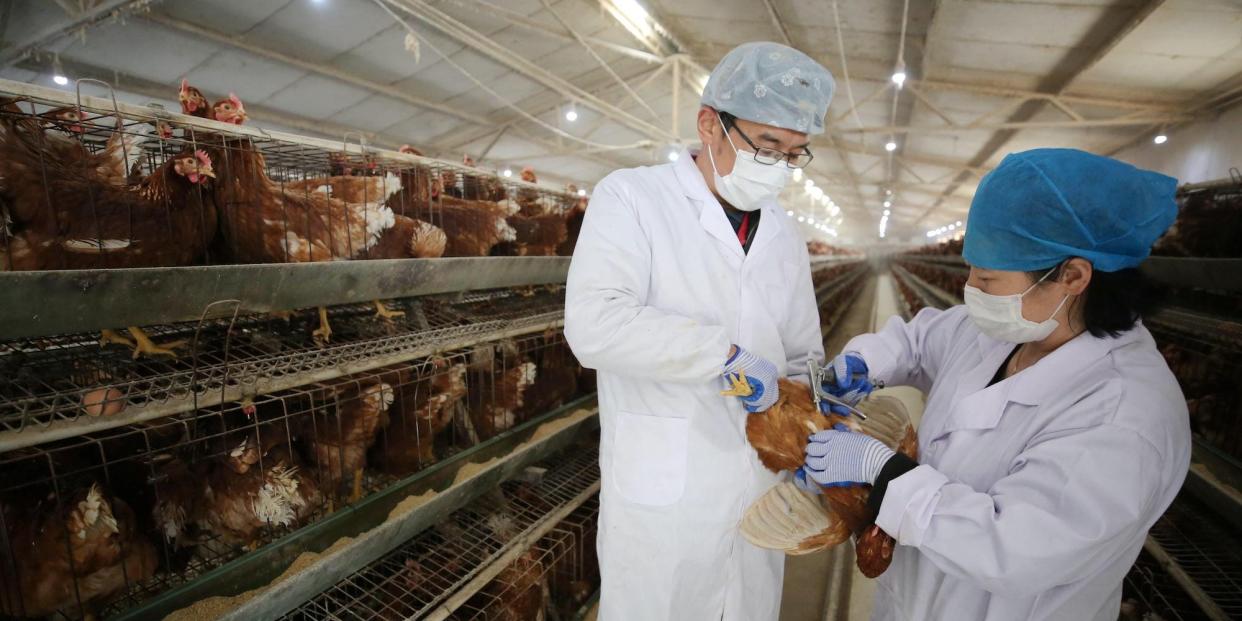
point(385, 313)
point(355, 494)
point(738, 386)
point(142, 343)
point(324, 333)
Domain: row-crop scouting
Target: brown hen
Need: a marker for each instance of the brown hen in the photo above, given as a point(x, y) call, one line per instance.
point(71, 558)
point(422, 409)
point(338, 443)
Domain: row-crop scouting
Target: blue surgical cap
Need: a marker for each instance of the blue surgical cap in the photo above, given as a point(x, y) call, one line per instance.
point(1043, 206)
point(772, 84)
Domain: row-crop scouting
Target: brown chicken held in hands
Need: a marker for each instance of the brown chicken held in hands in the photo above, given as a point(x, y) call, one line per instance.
point(779, 436)
point(71, 558)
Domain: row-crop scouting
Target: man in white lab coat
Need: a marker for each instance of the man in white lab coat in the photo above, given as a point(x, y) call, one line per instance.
point(682, 272)
point(1055, 434)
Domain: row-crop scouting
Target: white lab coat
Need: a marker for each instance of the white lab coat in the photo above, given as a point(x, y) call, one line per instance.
point(657, 291)
point(1034, 495)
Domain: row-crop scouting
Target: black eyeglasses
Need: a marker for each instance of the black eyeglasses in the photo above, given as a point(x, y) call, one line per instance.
point(765, 156)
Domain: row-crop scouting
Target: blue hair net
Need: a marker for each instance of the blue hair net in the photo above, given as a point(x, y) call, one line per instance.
point(772, 84)
point(1043, 206)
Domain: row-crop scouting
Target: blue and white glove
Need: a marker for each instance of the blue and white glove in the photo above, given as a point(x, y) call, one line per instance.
point(838, 456)
point(751, 378)
point(848, 382)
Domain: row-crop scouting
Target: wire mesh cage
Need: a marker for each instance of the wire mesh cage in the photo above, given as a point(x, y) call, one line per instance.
point(421, 575)
point(63, 378)
point(91, 186)
point(105, 520)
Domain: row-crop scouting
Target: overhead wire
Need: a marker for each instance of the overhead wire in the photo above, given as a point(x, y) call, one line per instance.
point(501, 98)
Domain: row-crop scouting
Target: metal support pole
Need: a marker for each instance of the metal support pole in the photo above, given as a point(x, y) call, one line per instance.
point(676, 97)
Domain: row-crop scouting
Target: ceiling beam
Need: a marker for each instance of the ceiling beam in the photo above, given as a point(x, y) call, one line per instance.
point(912, 158)
point(918, 66)
point(158, 90)
point(518, 19)
point(536, 105)
point(483, 44)
point(776, 22)
point(327, 71)
point(547, 6)
point(312, 126)
point(1100, 38)
point(56, 32)
point(1070, 124)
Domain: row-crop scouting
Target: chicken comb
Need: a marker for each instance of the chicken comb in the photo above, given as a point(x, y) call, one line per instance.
point(236, 101)
point(203, 158)
point(185, 85)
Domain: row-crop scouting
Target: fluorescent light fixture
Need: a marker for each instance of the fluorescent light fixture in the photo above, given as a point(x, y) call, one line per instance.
point(797, 174)
point(673, 154)
point(789, 213)
point(508, 172)
point(801, 219)
point(571, 113)
point(888, 203)
point(808, 185)
point(633, 17)
point(890, 146)
point(581, 191)
point(886, 212)
point(1160, 138)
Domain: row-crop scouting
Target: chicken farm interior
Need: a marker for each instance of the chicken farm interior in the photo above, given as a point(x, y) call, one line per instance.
point(283, 282)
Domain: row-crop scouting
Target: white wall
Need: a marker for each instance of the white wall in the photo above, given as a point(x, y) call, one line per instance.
point(1200, 151)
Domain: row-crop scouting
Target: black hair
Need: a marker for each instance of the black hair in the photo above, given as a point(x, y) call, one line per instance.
point(1113, 301)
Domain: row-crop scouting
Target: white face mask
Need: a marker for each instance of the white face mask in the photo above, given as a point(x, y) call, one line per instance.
point(1000, 316)
point(751, 183)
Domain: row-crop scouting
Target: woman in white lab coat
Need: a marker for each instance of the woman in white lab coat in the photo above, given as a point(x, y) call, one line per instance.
point(1054, 434)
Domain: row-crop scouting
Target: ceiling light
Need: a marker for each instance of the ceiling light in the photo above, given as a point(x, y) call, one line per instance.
point(959, 223)
point(888, 203)
point(899, 74)
point(1160, 138)
point(890, 146)
point(797, 174)
point(571, 113)
point(808, 185)
point(886, 212)
point(673, 155)
point(810, 220)
point(581, 191)
point(801, 219)
point(789, 213)
point(888, 192)
point(508, 172)
point(58, 72)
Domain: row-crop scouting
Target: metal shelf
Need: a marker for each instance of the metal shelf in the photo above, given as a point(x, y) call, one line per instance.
point(46, 380)
point(432, 575)
point(47, 303)
point(1182, 272)
point(1203, 556)
point(929, 292)
point(374, 525)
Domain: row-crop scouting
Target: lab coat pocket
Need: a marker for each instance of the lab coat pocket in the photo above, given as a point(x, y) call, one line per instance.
point(649, 458)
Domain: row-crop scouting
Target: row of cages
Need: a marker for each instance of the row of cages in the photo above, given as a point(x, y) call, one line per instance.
point(1197, 332)
point(1191, 567)
point(106, 520)
point(552, 579)
point(96, 188)
point(64, 379)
